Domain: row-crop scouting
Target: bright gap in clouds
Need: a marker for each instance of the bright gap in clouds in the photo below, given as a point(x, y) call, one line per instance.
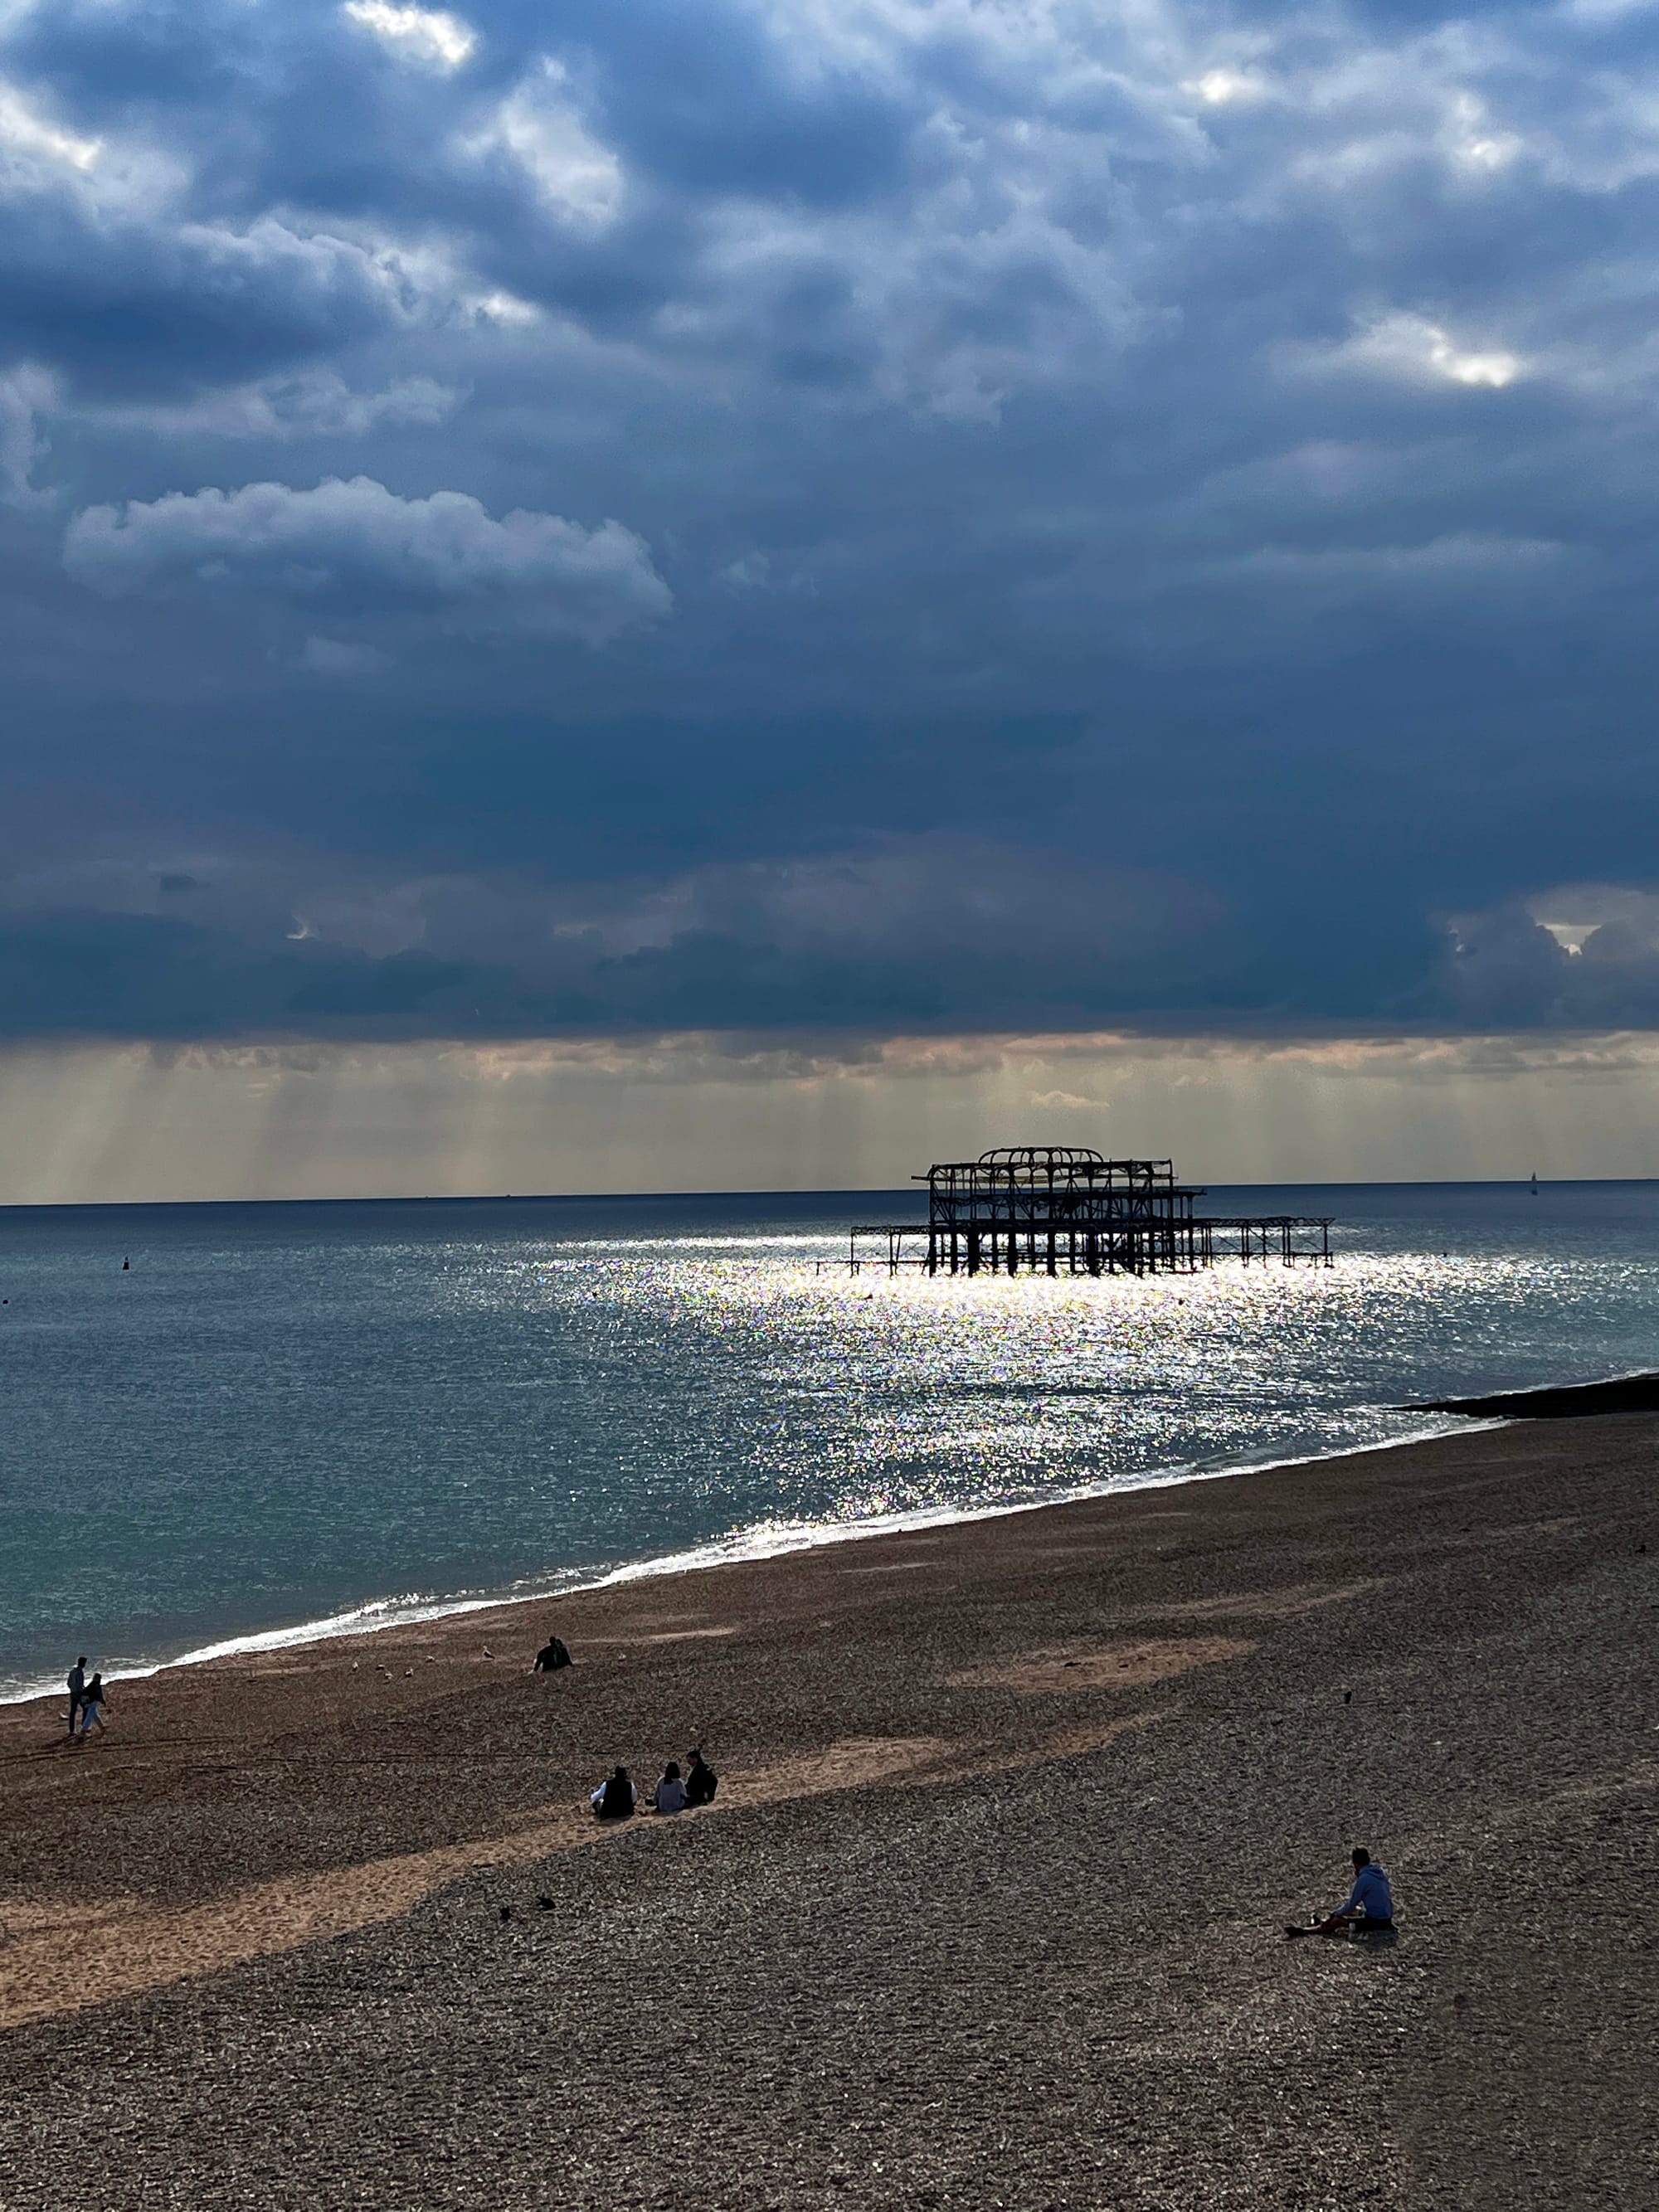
point(23, 131)
point(1494, 370)
point(419, 34)
point(1226, 88)
point(1412, 346)
point(575, 175)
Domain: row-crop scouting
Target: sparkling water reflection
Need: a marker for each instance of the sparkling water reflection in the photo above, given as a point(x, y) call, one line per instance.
point(285, 1412)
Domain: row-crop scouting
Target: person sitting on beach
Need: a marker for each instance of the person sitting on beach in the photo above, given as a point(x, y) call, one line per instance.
point(1369, 1908)
point(669, 1796)
point(91, 1698)
point(701, 1780)
point(77, 1690)
point(614, 1799)
point(552, 1655)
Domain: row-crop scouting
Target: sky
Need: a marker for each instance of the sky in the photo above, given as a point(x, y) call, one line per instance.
point(710, 594)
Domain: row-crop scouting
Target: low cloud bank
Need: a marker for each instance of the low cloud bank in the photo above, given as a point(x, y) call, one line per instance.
point(924, 936)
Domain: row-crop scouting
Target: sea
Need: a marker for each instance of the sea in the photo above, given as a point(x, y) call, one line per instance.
point(233, 1426)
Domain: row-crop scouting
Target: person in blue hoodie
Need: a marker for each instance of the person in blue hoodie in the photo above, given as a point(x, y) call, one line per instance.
point(1369, 1907)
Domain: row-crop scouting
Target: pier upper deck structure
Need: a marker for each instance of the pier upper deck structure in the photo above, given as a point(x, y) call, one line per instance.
point(1065, 1209)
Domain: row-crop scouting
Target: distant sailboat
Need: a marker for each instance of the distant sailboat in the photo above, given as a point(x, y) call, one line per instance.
point(1534, 1184)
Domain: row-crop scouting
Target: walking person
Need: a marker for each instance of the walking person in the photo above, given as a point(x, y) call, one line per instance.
point(92, 1704)
point(77, 1690)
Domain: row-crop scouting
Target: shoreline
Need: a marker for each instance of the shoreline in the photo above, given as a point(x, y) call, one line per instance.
point(381, 1616)
point(1635, 1391)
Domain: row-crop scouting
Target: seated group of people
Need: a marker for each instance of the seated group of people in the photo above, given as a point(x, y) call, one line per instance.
point(616, 1799)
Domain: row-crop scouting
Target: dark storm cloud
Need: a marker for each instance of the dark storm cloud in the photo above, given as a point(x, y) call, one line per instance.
point(870, 516)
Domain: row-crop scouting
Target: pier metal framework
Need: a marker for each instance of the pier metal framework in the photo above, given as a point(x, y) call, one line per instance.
point(1065, 1209)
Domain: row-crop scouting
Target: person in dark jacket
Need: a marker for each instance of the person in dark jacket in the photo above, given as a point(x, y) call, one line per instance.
point(701, 1780)
point(614, 1799)
point(552, 1655)
point(92, 1701)
point(77, 1690)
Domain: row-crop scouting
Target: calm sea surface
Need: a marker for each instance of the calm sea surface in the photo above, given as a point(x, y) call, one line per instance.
point(284, 1413)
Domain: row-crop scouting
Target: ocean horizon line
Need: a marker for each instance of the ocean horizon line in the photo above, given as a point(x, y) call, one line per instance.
point(911, 1190)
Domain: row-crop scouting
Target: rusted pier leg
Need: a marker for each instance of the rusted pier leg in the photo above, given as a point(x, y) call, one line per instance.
point(1052, 1267)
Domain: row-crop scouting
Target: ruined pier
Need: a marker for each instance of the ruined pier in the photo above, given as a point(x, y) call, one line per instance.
point(1066, 1210)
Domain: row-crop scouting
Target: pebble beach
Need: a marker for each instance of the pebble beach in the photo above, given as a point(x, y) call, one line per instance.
point(989, 1909)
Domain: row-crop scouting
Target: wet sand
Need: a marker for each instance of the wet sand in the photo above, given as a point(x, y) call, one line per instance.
point(989, 1909)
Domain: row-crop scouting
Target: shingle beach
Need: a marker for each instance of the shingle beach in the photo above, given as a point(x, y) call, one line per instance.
point(989, 1910)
